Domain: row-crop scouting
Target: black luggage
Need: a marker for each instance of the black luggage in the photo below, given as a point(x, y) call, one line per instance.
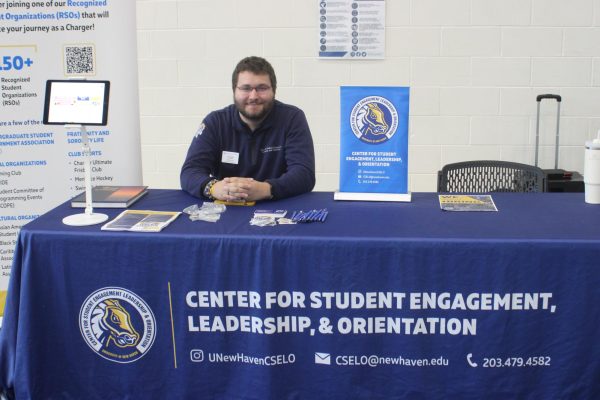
point(557, 180)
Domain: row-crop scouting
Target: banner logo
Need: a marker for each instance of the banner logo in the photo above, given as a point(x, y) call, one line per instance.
point(374, 120)
point(117, 324)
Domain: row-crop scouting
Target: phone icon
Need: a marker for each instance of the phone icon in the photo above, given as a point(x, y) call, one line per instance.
point(471, 363)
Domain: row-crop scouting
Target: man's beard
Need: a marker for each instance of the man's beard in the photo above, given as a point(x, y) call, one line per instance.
point(258, 116)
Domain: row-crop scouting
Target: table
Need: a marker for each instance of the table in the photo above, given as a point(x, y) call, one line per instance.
point(381, 301)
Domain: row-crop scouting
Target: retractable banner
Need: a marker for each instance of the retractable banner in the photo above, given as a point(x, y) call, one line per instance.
point(374, 143)
point(42, 166)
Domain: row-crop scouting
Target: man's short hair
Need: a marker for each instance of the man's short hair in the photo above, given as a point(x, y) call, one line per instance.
point(256, 65)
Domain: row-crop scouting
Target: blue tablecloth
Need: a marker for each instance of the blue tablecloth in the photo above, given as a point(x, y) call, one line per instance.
point(382, 301)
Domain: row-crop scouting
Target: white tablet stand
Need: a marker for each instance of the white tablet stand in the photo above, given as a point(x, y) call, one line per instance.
point(89, 217)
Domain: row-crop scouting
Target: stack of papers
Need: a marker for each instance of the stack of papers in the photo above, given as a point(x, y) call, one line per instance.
point(270, 213)
point(267, 217)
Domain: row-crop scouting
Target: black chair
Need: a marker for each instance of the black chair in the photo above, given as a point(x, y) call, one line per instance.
point(490, 176)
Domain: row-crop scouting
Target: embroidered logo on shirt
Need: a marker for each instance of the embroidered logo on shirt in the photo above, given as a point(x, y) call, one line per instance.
point(200, 130)
point(271, 149)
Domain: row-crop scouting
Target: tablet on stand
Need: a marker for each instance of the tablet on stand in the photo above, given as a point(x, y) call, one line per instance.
point(77, 104)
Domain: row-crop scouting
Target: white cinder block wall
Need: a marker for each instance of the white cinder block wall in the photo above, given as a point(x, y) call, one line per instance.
point(474, 67)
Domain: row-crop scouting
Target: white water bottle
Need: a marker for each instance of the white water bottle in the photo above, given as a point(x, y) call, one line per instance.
point(591, 171)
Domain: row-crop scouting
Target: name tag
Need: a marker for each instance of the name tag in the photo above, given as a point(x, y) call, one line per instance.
point(230, 157)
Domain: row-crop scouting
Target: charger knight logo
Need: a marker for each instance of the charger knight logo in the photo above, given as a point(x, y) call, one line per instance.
point(374, 120)
point(117, 324)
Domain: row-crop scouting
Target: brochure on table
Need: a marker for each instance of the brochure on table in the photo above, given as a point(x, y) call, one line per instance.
point(467, 202)
point(374, 143)
point(141, 221)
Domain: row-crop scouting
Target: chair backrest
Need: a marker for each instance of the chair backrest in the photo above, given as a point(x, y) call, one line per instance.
point(490, 176)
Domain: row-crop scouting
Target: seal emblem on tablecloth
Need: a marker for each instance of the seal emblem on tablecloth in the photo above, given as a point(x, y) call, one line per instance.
point(117, 324)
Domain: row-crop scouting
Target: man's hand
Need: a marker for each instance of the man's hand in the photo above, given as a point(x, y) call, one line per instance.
point(241, 189)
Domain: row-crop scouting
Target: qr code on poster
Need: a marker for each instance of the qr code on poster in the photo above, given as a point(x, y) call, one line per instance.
point(80, 59)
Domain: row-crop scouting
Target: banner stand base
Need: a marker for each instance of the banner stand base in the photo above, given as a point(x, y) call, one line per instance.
point(400, 197)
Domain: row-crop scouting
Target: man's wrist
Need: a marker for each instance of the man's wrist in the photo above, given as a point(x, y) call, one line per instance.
point(269, 191)
point(208, 189)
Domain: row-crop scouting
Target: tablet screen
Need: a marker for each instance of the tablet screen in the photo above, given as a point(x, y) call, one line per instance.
point(76, 102)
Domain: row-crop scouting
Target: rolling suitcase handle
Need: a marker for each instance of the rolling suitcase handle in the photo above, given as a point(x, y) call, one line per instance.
point(539, 99)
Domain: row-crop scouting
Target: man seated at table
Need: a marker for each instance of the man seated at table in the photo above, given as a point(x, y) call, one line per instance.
point(257, 148)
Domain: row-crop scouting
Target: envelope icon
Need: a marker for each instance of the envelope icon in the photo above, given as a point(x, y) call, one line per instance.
point(322, 358)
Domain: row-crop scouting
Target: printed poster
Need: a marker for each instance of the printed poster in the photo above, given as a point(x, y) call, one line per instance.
point(352, 29)
point(374, 143)
point(41, 166)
